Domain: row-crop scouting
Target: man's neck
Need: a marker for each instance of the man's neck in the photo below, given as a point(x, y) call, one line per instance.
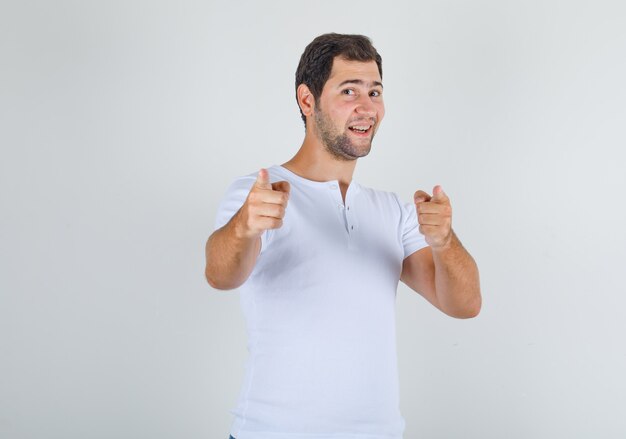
point(314, 163)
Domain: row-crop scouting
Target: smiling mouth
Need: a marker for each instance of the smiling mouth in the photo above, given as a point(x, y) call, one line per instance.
point(361, 129)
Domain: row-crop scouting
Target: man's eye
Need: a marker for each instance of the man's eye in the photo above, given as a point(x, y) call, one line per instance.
point(375, 93)
point(348, 91)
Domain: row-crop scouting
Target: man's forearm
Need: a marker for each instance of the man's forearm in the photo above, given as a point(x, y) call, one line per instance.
point(456, 280)
point(231, 251)
point(230, 257)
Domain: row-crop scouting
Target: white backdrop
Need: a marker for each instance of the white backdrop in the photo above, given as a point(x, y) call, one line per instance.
point(123, 122)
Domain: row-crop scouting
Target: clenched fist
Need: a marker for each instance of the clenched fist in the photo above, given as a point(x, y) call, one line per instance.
point(264, 207)
point(434, 215)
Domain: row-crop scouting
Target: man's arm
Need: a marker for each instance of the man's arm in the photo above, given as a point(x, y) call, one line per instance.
point(230, 256)
point(444, 273)
point(447, 277)
point(231, 251)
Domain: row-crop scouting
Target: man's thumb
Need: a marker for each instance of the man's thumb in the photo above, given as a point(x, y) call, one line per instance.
point(263, 179)
point(439, 194)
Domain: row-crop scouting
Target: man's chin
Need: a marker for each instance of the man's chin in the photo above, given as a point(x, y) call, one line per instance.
point(357, 153)
point(364, 149)
point(345, 148)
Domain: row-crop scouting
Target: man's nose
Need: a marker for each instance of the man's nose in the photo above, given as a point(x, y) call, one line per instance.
point(365, 106)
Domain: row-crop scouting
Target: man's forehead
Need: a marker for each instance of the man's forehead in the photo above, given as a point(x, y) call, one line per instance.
point(343, 69)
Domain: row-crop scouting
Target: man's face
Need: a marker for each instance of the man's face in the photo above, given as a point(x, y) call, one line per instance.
point(350, 109)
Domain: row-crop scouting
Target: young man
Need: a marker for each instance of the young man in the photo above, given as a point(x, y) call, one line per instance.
point(318, 258)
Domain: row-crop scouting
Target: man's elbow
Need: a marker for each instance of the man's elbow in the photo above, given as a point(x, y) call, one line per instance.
point(468, 311)
point(216, 283)
point(211, 280)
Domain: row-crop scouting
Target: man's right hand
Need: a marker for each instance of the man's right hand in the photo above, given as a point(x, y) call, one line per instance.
point(264, 207)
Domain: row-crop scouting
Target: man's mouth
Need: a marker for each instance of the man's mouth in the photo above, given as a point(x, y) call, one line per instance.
point(361, 130)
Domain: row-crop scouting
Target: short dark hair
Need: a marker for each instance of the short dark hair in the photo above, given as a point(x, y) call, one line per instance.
point(316, 62)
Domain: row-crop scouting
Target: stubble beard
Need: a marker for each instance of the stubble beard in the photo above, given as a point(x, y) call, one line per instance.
point(338, 144)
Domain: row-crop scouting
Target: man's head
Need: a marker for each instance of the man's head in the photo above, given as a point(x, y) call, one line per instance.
point(339, 91)
point(316, 62)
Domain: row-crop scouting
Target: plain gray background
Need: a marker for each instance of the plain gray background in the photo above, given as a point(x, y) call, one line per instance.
point(123, 122)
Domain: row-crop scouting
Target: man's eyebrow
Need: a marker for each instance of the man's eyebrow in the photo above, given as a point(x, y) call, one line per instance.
point(359, 82)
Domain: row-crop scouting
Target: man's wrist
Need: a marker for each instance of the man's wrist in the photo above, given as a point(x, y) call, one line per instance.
point(449, 243)
point(240, 231)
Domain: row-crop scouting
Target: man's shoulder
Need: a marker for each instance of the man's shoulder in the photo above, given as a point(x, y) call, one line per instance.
point(246, 180)
point(380, 194)
point(272, 170)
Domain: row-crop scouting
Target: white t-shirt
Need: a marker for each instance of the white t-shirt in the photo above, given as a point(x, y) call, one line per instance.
point(319, 308)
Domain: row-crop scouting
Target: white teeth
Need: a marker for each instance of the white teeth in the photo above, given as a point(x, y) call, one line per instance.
point(362, 128)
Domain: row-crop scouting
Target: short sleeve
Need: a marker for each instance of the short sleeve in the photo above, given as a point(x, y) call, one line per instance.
point(232, 201)
point(412, 239)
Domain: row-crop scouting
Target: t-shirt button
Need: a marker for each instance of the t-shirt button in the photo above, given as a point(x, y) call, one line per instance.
point(333, 186)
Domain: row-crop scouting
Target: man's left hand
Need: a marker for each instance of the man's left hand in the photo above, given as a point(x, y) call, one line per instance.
point(434, 215)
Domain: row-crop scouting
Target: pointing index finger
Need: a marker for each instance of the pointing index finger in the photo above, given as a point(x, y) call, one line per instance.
point(421, 196)
point(282, 186)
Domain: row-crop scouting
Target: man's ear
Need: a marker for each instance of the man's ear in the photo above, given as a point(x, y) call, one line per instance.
point(305, 100)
